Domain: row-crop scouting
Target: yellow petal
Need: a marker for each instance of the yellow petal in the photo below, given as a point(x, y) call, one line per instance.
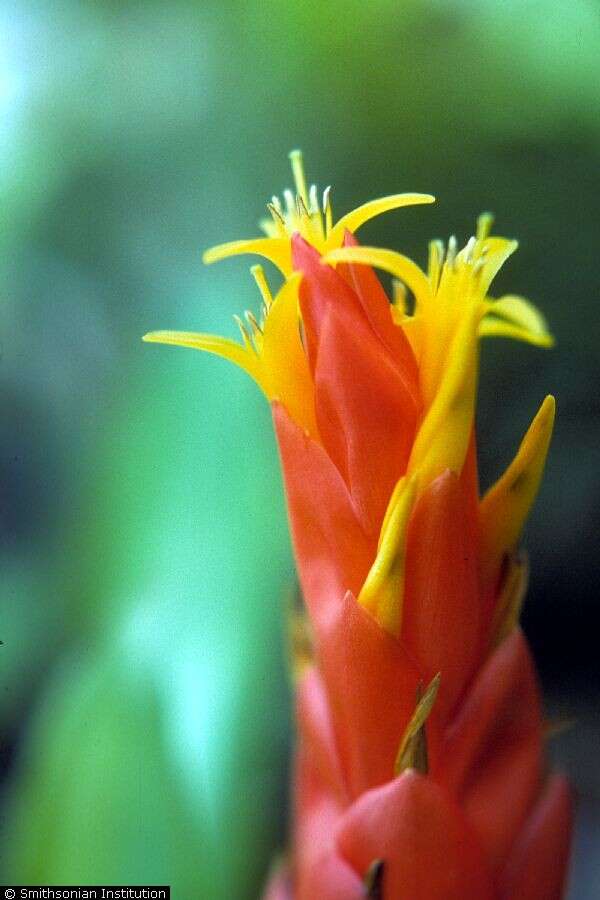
point(389, 261)
point(496, 328)
point(443, 438)
point(382, 594)
point(353, 220)
point(436, 261)
point(493, 253)
point(276, 360)
point(506, 505)
point(244, 357)
point(285, 366)
point(276, 250)
point(515, 317)
point(412, 326)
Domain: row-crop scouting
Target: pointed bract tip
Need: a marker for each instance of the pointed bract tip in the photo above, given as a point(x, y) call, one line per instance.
point(506, 505)
point(549, 405)
point(412, 753)
point(373, 881)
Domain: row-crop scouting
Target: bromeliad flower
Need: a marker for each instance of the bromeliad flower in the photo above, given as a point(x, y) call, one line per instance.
point(419, 765)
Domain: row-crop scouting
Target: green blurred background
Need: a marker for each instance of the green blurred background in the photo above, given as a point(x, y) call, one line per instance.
point(144, 704)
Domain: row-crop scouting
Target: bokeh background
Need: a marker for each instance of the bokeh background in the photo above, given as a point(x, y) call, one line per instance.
point(144, 700)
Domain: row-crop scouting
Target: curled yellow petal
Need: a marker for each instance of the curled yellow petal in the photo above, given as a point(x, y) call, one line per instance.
point(396, 264)
point(412, 753)
point(276, 250)
point(515, 317)
point(272, 353)
point(506, 505)
point(353, 220)
point(382, 593)
point(492, 253)
point(244, 357)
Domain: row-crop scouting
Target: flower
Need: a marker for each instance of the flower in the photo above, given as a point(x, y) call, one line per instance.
point(411, 579)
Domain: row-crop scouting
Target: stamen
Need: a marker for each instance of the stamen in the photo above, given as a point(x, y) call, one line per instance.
point(480, 261)
point(298, 173)
point(251, 320)
point(327, 209)
point(301, 209)
point(277, 214)
point(248, 343)
point(436, 258)
point(258, 273)
point(399, 296)
point(451, 251)
point(313, 197)
point(484, 226)
point(469, 248)
point(290, 202)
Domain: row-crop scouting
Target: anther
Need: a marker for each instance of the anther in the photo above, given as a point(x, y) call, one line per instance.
point(258, 273)
point(327, 209)
point(298, 173)
point(451, 251)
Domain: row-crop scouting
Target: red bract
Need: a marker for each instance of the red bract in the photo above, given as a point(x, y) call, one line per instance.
point(366, 397)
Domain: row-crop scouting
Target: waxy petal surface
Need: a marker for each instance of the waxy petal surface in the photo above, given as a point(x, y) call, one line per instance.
point(316, 731)
point(441, 626)
point(321, 287)
point(377, 308)
point(371, 683)
point(365, 416)
point(279, 886)
point(538, 864)
point(320, 871)
point(493, 749)
point(414, 827)
point(332, 550)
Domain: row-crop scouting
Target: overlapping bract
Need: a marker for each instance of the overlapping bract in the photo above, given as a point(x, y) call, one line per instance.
point(410, 578)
